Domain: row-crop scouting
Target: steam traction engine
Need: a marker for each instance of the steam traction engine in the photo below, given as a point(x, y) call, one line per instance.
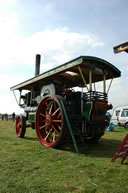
point(72, 84)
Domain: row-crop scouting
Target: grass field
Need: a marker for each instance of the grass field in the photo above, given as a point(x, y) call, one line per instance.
point(28, 167)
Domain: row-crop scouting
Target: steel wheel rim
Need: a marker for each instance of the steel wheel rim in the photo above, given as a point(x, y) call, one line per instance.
point(49, 121)
point(18, 126)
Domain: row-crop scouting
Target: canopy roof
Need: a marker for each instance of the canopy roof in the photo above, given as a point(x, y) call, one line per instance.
point(69, 74)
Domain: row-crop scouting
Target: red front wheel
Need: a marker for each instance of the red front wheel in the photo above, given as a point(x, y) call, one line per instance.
point(50, 122)
point(20, 126)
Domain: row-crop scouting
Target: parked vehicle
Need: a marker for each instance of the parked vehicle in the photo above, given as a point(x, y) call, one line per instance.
point(115, 115)
point(123, 118)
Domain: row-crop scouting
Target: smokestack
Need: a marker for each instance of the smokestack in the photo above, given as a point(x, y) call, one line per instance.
point(37, 64)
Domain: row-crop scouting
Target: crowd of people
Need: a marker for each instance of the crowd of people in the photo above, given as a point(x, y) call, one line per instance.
point(7, 117)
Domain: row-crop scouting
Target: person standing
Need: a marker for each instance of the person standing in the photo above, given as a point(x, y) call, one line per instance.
point(13, 116)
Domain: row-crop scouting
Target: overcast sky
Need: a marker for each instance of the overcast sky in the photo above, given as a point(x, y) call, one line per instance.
point(59, 31)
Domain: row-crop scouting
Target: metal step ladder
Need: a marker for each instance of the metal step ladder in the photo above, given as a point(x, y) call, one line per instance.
point(122, 151)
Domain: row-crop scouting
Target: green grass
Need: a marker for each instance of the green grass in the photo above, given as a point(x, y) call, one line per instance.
point(28, 167)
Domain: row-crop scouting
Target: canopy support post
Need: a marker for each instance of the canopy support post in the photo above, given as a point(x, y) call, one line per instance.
point(109, 85)
point(15, 97)
point(90, 80)
point(20, 97)
point(104, 83)
point(82, 76)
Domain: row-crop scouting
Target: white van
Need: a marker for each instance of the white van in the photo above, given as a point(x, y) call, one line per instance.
point(115, 114)
point(123, 118)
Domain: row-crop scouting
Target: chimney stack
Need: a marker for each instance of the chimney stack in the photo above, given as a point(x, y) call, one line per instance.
point(37, 64)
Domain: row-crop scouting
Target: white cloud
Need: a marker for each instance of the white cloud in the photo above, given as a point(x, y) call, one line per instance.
point(56, 45)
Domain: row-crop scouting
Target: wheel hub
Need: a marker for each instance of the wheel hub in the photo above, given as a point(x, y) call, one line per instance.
point(48, 120)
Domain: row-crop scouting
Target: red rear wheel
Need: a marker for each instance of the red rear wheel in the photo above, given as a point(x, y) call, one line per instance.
point(20, 126)
point(50, 122)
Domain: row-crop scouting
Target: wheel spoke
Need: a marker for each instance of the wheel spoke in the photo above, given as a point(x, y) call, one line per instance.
point(50, 108)
point(54, 136)
point(47, 104)
point(48, 135)
point(46, 128)
point(57, 121)
point(59, 126)
point(55, 130)
point(59, 115)
point(55, 112)
point(43, 130)
point(43, 126)
point(42, 115)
